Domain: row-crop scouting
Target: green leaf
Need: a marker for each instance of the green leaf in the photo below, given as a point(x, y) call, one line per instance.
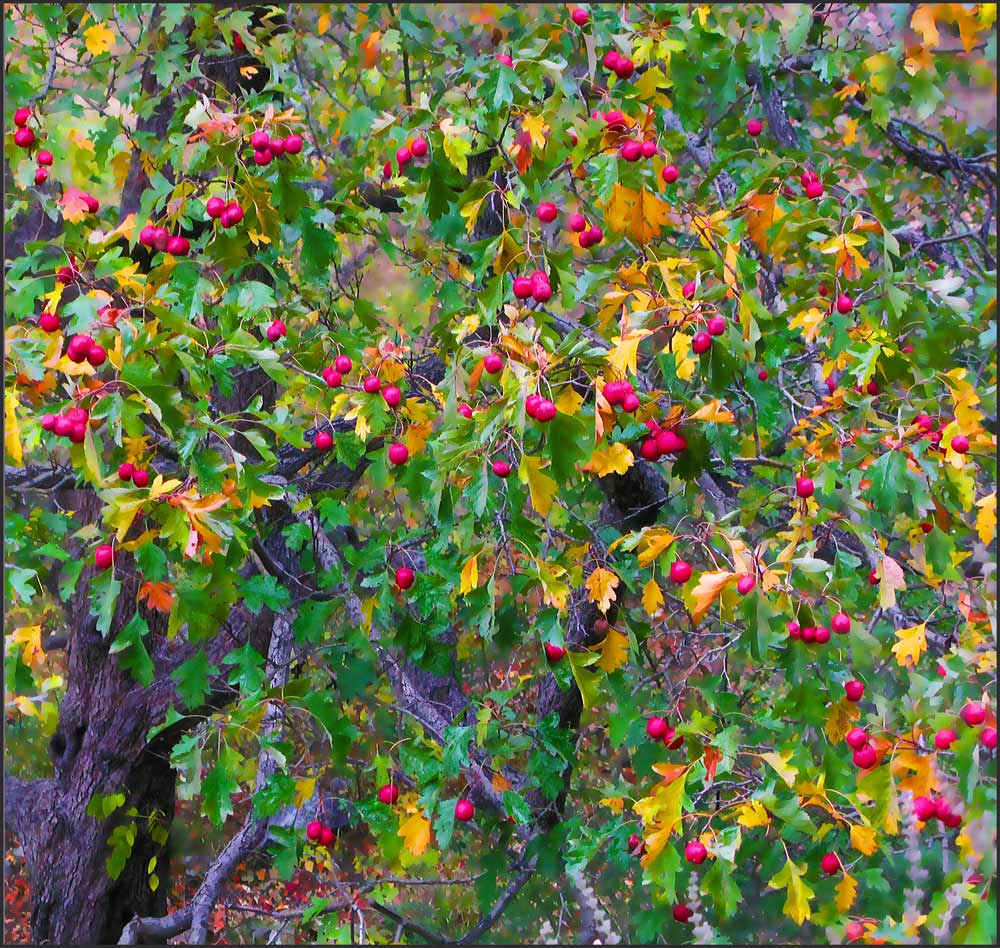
point(220, 785)
point(192, 679)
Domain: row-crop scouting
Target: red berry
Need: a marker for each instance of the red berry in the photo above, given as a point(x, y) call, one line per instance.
point(856, 738)
point(648, 148)
point(293, 144)
point(546, 410)
point(547, 212)
point(695, 852)
point(716, 326)
point(260, 140)
point(841, 623)
point(680, 572)
point(419, 147)
point(814, 189)
point(505, 60)
point(324, 441)
point(403, 156)
point(960, 444)
point(277, 146)
point(393, 396)
point(262, 156)
point(844, 303)
point(531, 404)
point(389, 793)
point(762, 375)
point(594, 235)
point(944, 739)
point(313, 830)
point(580, 16)
point(854, 690)
point(804, 487)
point(631, 150)
point(97, 355)
point(650, 450)
point(140, 478)
point(24, 138)
point(630, 403)
point(989, 738)
point(854, 931)
point(576, 223)
point(624, 67)
point(688, 290)
point(794, 630)
point(821, 635)
point(493, 363)
point(372, 384)
point(333, 378)
point(147, 236)
point(92, 203)
point(701, 343)
point(405, 577)
point(656, 728)
point(48, 422)
point(44, 158)
point(41, 176)
point(465, 411)
point(326, 836)
point(343, 364)
point(214, 207)
point(873, 576)
point(670, 174)
point(553, 652)
point(125, 471)
point(614, 118)
point(398, 453)
point(754, 127)
point(541, 290)
point(864, 759)
point(669, 442)
point(234, 214)
point(21, 117)
point(682, 914)
point(178, 246)
point(830, 864)
point(744, 584)
point(104, 556)
point(276, 330)
point(924, 808)
point(48, 322)
point(522, 287)
point(501, 468)
point(670, 741)
point(973, 714)
point(611, 58)
point(464, 810)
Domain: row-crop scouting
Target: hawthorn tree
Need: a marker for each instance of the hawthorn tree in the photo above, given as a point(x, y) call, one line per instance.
point(525, 470)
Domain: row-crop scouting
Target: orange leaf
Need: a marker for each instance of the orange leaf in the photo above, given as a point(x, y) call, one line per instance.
point(74, 204)
point(712, 758)
point(371, 50)
point(670, 772)
point(159, 596)
point(709, 588)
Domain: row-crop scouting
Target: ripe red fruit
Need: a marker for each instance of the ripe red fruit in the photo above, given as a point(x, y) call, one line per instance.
point(546, 212)
point(585, 240)
point(635, 844)
point(973, 714)
point(853, 931)
point(140, 478)
point(680, 571)
point(232, 215)
point(262, 157)
point(403, 156)
point(808, 633)
point(594, 236)
point(372, 384)
point(650, 450)
point(821, 635)
point(989, 738)
point(960, 444)
point(670, 174)
point(865, 758)
point(405, 577)
point(670, 741)
point(389, 793)
point(856, 738)
point(260, 140)
point(398, 453)
point(541, 290)
point(48, 422)
point(701, 343)
point(505, 60)
point(522, 287)
point(854, 690)
point(631, 150)
point(546, 410)
point(464, 810)
point(78, 415)
point(313, 830)
point(277, 146)
point(807, 177)
point(41, 176)
point(501, 468)
point(343, 364)
point(648, 148)
point(293, 144)
point(67, 275)
point(844, 303)
point(97, 355)
point(324, 441)
point(669, 442)
point(630, 402)
point(794, 630)
point(695, 852)
point(841, 623)
point(804, 487)
point(873, 577)
point(716, 326)
point(531, 404)
point(44, 158)
point(48, 322)
point(576, 223)
point(762, 375)
point(21, 117)
point(924, 422)
point(276, 330)
point(872, 388)
point(687, 291)
point(580, 16)
point(104, 556)
point(465, 411)
point(614, 118)
point(419, 147)
point(830, 864)
point(554, 653)
point(924, 808)
point(624, 67)
point(332, 377)
point(814, 189)
point(126, 470)
point(611, 58)
point(393, 396)
point(755, 127)
point(178, 246)
point(944, 739)
point(214, 207)
point(656, 728)
point(682, 914)
point(147, 236)
point(78, 348)
point(744, 584)
point(326, 836)
point(24, 138)
point(493, 363)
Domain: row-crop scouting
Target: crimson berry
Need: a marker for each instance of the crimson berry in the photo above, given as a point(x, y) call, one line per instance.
point(821, 635)
point(541, 290)
point(24, 138)
point(695, 852)
point(830, 864)
point(864, 759)
point(505, 60)
point(464, 810)
point(21, 117)
point(814, 189)
point(856, 738)
point(576, 223)
point(546, 410)
point(960, 444)
point(48, 422)
point(680, 571)
point(755, 127)
point(624, 68)
point(419, 147)
point(656, 728)
point(262, 156)
point(393, 396)
point(531, 404)
point(648, 148)
point(794, 630)
point(670, 174)
point(844, 304)
point(405, 577)
point(293, 144)
point(465, 411)
point(989, 738)
point(41, 176)
point(973, 714)
point(326, 836)
point(522, 287)
point(631, 150)
point(48, 322)
point(332, 377)
point(650, 450)
point(313, 830)
point(104, 556)
point(97, 355)
point(716, 326)
point(372, 384)
point(682, 914)
point(873, 576)
point(389, 793)
point(403, 156)
point(277, 146)
point(580, 16)
point(276, 330)
point(343, 364)
point(140, 478)
point(547, 212)
point(493, 363)
point(924, 809)
point(501, 468)
point(701, 343)
point(125, 471)
point(214, 207)
point(669, 442)
point(944, 739)
point(688, 290)
point(744, 584)
point(260, 140)
point(398, 453)
point(854, 690)
point(553, 652)
point(44, 158)
point(324, 441)
point(762, 375)
point(804, 487)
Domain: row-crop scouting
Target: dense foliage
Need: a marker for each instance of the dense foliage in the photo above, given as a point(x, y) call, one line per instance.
point(650, 511)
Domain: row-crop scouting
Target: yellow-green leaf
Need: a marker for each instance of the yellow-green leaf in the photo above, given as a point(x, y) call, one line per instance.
point(536, 128)
point(911, 645)
point(863, 839)
point(601, 585)
point(614, 651)
point(11, 429)
point(610, 459)
point(652, 597)
point(541, 487)
point(98, 39)
point(456, 147)
point(781, 766)
point(847, 892)
point(470, 574)
point(798, 893)
point(623, 357)
point(753, 814)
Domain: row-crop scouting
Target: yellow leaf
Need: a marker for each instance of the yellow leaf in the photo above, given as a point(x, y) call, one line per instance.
point(536, 128)
point(809, 321)
point(841, 719)
point(911, 645)
point(98, 38)
point(601, 585)
point(850, 134)
point(924, 22)
point(680, 346)
point(555, 591)
point(709, 588)
point(416, 833)
point(847, 892)
point(654, 541)
point(753, 814)
point(920, 777)
point(26, 706)
point(863, 839)
point(798, 893)
point(662, 813)
point(11, 429)
point(649, 84)
point(470, 574)
point(781, 766)
point(541, 487)
point(652, 597)
point(714, 411)
point(614, 651)
point(614, 804)
point(30, 637)
point(569, 401)
point(639, 215)
point(762, 211)
point(322, 24)
point(986, 519)
point(304, 789)
point(159, 487)
point(623, 357)
point(610, 459)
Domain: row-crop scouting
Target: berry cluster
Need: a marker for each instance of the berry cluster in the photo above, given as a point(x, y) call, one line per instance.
point(537, 286)
point(266, 148)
